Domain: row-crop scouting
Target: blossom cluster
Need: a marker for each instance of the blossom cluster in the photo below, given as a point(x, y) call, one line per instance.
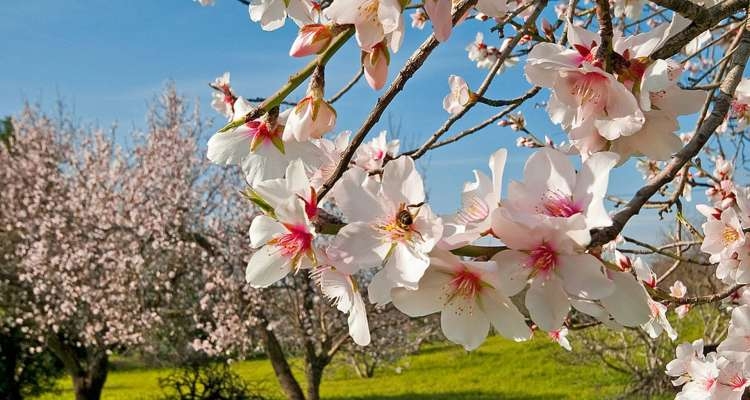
point(723, 374)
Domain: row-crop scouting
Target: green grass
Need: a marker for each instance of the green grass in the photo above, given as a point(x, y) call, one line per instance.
point(500, 369)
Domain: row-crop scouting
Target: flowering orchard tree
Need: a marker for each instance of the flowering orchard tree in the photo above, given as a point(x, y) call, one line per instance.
point(540, 254)
point(106, 247)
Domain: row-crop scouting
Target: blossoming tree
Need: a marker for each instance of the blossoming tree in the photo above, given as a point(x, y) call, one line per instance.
point(541, 254)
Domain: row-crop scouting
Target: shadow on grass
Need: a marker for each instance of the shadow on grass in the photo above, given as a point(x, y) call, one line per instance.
point(469, 395)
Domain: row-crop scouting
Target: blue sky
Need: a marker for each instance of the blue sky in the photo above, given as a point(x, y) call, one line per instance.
point(106, 60)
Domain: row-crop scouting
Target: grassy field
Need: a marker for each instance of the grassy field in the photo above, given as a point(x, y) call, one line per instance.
point(500, 369)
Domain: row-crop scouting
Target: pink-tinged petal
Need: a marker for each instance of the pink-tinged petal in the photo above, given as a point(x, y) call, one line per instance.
point(549, 169)
point(582, 276)
point(497, 166)
point(655, 140)
point(358, 245)
point(464, 323)
point(439, 12)
point(515, 235)
point(504, 316)
point(590, 307)
point(623, 115)
point(225, 148)
point(263, 229)
point(628, 303)
point(344, 12)
point(493, 8)
point(270, 13)
point(545, 62)
point(301, 12)
point(396, 38)
point(368, 34)
point(389, 14)
point(405, 267)
point(266, 267)
point(426, 300)
point(354, 201)
point(272, 191)
point(547, 303)
point(513, 273)
point(379, 290)
point(430, 228)
point(591, 187)
point(375, 65)
point(643, 44)
point(359, 329)
point(580, 36)
point(676, 101)
point(402, 183)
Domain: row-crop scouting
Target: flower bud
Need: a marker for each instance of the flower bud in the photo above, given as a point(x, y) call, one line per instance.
point(311, 39)
point(375, 63)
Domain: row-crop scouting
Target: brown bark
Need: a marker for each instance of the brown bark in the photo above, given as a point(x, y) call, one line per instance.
point(87, 367)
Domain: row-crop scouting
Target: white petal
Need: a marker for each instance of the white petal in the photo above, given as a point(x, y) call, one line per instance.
point(547, 303)
point(428, 299)
point(504, 316)
point(464, 323)
point(628, 303)
point(266, 267)
point(263, 229)
point(402, 183)
point(582, 276)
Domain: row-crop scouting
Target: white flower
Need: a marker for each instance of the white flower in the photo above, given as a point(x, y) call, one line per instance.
point(371, 155)
point(272, 13)
point(560, 336)
point(388, 225)
point(372, 19)
point(459, 97)
point(478, 200)
point(284, 244)
point(470, 297)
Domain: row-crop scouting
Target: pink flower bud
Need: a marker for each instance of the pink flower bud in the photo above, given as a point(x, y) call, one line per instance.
point(311, 39)
point(375, 62)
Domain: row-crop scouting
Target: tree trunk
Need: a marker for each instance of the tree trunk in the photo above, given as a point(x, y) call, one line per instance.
point(10, 355)
point(288, 383)
point(87, 367)
point(89, 384)
point(314, 374)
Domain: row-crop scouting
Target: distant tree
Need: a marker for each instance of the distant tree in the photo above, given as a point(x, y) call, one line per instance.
point(110, 241)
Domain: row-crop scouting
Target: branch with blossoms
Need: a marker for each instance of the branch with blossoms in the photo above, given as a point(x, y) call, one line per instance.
point(547, 254)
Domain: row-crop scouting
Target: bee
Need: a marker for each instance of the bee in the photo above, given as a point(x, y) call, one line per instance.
point(404, 219)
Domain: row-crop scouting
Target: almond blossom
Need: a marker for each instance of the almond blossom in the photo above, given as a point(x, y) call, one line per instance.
point(330, 155)
point(560, 336)
point(737, 346)
point(469, 296)
point(418, 19)
point(553, 264)
point(552, 191)
point(257, 146)
point(371, 155)
point(271, 14)
point(310, 118)
point(478, 200)
point(284, 244)
point(223, 100)
point(372, 19)
point(459, 97)
point(388, 224)
point(597, 108)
